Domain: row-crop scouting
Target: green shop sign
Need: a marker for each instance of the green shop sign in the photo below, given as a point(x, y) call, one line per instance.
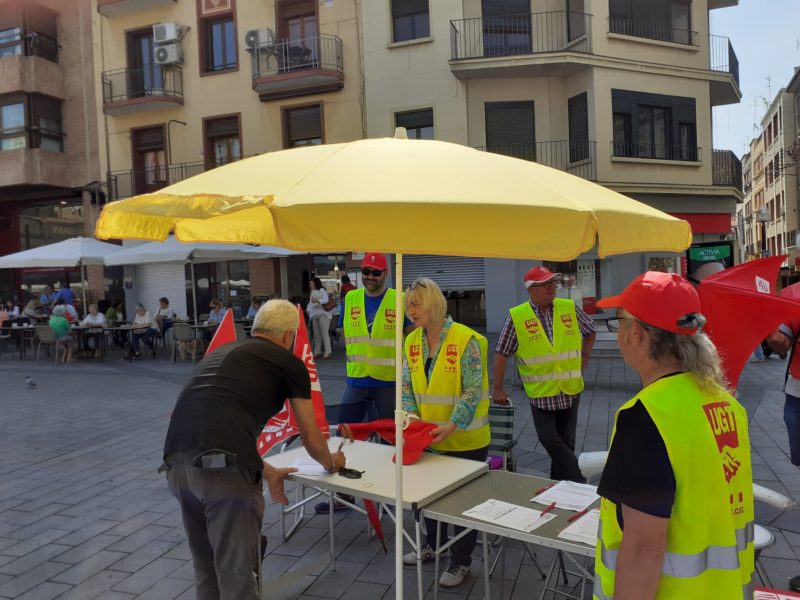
point(709, 253)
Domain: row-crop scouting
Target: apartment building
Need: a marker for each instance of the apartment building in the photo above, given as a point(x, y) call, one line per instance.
point(615, 91)
point(791, 166)
point(49, 178)
point(186, 86)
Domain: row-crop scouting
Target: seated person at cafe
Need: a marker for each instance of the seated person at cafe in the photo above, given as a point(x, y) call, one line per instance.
point(146, 329)
point(71, 315)
point(214, 317)
point(254, 306)
point(32, 314)
point(114, 314)
point(164, 316)
point(61, 328)
point(12, 310)
point(66, 294)
point(94, 337)
point(3, 315)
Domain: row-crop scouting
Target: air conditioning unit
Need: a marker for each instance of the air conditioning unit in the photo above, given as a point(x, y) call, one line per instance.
point(164, 33)
point(169, 54)
point(260, 39)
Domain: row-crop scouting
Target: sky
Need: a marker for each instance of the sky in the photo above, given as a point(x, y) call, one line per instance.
point(766, 38)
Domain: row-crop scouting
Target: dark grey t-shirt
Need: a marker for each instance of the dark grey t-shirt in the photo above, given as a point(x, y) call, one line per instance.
point(232, 394)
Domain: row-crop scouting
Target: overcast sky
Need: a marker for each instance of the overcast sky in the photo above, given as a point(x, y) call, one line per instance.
point(766, 38)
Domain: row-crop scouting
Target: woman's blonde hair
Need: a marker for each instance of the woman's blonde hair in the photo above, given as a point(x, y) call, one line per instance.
point(276, 316)
point(426, 293)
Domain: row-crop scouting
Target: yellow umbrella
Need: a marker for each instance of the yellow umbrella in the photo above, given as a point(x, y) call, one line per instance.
point(395, 196)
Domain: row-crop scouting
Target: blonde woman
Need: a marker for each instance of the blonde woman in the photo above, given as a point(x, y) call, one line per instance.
point(446, 360)
point(677, 489)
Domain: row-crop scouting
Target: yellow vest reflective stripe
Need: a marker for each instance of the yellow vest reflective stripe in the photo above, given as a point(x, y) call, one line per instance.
point(546, 368)
point(435, 398)
point(370, 355)
point(709, 550)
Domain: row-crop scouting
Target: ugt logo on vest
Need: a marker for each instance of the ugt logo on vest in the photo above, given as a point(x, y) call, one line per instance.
point(451, 357)
point(566, 321)
point(414, 352)
point(723, 426)
point(532, 326)
point(355, 312)
point(390, 316)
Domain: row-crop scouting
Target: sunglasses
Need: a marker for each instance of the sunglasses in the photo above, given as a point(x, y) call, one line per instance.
point(414, 285)
point(350, 473)
point(373, 272)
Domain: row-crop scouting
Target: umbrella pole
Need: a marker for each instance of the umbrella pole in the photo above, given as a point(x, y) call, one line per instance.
point(194, 292)
point(83, 287)
point(399, 416)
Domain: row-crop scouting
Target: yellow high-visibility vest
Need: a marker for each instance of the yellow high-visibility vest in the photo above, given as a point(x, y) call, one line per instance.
point(436, 398)
point(546, 368)
point(370, 354)
point(710, 533)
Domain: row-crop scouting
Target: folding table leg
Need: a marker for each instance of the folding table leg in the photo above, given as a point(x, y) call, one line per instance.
point(418, 532)
point(331, 501)
point(486, 590)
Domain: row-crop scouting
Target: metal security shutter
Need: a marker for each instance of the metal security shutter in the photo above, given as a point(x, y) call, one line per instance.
point(450, 272)
point(155, 281)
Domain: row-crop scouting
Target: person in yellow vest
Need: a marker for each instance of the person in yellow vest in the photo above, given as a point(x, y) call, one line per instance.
point(551, 339)
point(677, 489)
point(445, 381)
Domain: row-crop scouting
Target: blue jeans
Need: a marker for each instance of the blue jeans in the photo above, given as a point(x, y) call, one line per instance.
point(791, 416)
point(149, 339)
point(362, 403)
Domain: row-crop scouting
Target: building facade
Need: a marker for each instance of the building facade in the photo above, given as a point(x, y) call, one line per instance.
point(615, 91)
point(49, 176)
point(188, 86)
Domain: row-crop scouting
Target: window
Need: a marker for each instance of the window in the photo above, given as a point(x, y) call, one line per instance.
point(222, 141)
point(510, 129)
point(31, 121)
point(665, 20)
point(506, 27)
point(410, 20)
point(654, 126)
point(303, 126)
point(418, 123)
point(220, 45)
point(28, 29)
point(149, 159)
point(578, 116)
point(576, 19)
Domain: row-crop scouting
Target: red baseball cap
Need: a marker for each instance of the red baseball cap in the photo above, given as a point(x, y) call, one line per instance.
point(659, 299)
point(539, 275)
point(374, 260)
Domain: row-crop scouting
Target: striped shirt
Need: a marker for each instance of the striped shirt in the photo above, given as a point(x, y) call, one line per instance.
point(507, 345)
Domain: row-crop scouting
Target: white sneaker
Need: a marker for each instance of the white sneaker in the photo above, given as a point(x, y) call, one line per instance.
point(453, 576)
point(411, 557)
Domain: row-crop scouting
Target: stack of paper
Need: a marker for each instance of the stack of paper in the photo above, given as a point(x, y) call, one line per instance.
point(569, 495)
point(584, 529)
point(308, 466)
point(509, 515)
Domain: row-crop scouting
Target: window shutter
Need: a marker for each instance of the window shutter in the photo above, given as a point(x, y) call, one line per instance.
point(578, 117)
point(222, 128)
point(450, 272)
point(509, 124)
point(415, 118)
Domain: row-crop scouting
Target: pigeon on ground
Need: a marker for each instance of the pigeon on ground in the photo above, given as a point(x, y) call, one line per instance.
point(31, 383)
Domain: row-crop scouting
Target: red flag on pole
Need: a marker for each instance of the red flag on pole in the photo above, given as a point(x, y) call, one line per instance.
point(284, 424)
point(225, 333)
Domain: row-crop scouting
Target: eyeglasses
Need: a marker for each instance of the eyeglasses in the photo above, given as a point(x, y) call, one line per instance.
point(415, 284)
point(350, 473)
point(373, 272)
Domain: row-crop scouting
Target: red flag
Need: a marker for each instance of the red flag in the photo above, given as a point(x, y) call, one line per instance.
point(284, 425)
point(225, 333)
point(742, 308)
point(375, 521)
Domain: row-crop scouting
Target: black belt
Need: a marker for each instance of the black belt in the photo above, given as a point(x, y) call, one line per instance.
point(214, 459)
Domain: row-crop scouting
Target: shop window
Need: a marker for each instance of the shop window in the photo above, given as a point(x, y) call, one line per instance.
point(580, 281)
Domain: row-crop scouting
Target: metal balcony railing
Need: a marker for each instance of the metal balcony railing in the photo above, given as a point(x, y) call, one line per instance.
point(142, 82)
point(31, 44)
point(656, 151)
point(653, 31)
point(726, 169)
point(131, 182)
point(722, 56)
point(321, 51)
point(523, 34)
point(576, 157)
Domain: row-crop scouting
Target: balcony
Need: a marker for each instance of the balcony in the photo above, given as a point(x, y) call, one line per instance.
point(576, 157)
point(652, 31)
point(127, 183)
point(726, 169)
point(298, 67)
point(31, 44)
point(723, 59)
point(141, 88)
point(116, 8)
point(548, 40)
point(667, 152)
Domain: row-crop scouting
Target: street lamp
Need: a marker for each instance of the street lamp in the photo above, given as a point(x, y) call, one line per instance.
point(762, 216)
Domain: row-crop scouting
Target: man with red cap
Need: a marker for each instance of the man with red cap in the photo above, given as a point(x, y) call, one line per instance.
point(677, 489)
point(551, 339)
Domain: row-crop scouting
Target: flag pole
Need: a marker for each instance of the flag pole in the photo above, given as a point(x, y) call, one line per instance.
point(399, 417)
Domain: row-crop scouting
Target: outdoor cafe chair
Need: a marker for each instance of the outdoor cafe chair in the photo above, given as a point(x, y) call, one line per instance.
point(45, 336)
point(182, 332)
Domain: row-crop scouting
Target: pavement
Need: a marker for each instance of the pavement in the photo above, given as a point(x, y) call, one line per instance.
point(84, 515)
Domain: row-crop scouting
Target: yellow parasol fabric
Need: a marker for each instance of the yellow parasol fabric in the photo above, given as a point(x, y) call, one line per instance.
point(390, 195)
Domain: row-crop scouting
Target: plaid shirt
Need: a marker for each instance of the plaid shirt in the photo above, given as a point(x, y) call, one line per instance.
point(507, 345)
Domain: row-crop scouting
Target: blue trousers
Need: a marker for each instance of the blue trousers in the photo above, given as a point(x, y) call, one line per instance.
point(791, 416)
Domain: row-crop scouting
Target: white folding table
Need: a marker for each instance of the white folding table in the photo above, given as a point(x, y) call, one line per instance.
point(430, 478)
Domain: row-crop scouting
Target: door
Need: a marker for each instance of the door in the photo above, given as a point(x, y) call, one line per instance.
point(145, 77)
point(149, 160)
point(298, 31)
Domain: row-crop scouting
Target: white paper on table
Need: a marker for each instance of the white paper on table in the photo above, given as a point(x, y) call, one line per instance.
point(583, 529)
point(308, 466)
point(569, 495)
point(508, 515)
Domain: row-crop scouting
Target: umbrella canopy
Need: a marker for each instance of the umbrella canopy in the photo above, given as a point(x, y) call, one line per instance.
point(172, 250)
point(69, 253)
point(742, 309)
point(396, 194)
point(792, 292)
